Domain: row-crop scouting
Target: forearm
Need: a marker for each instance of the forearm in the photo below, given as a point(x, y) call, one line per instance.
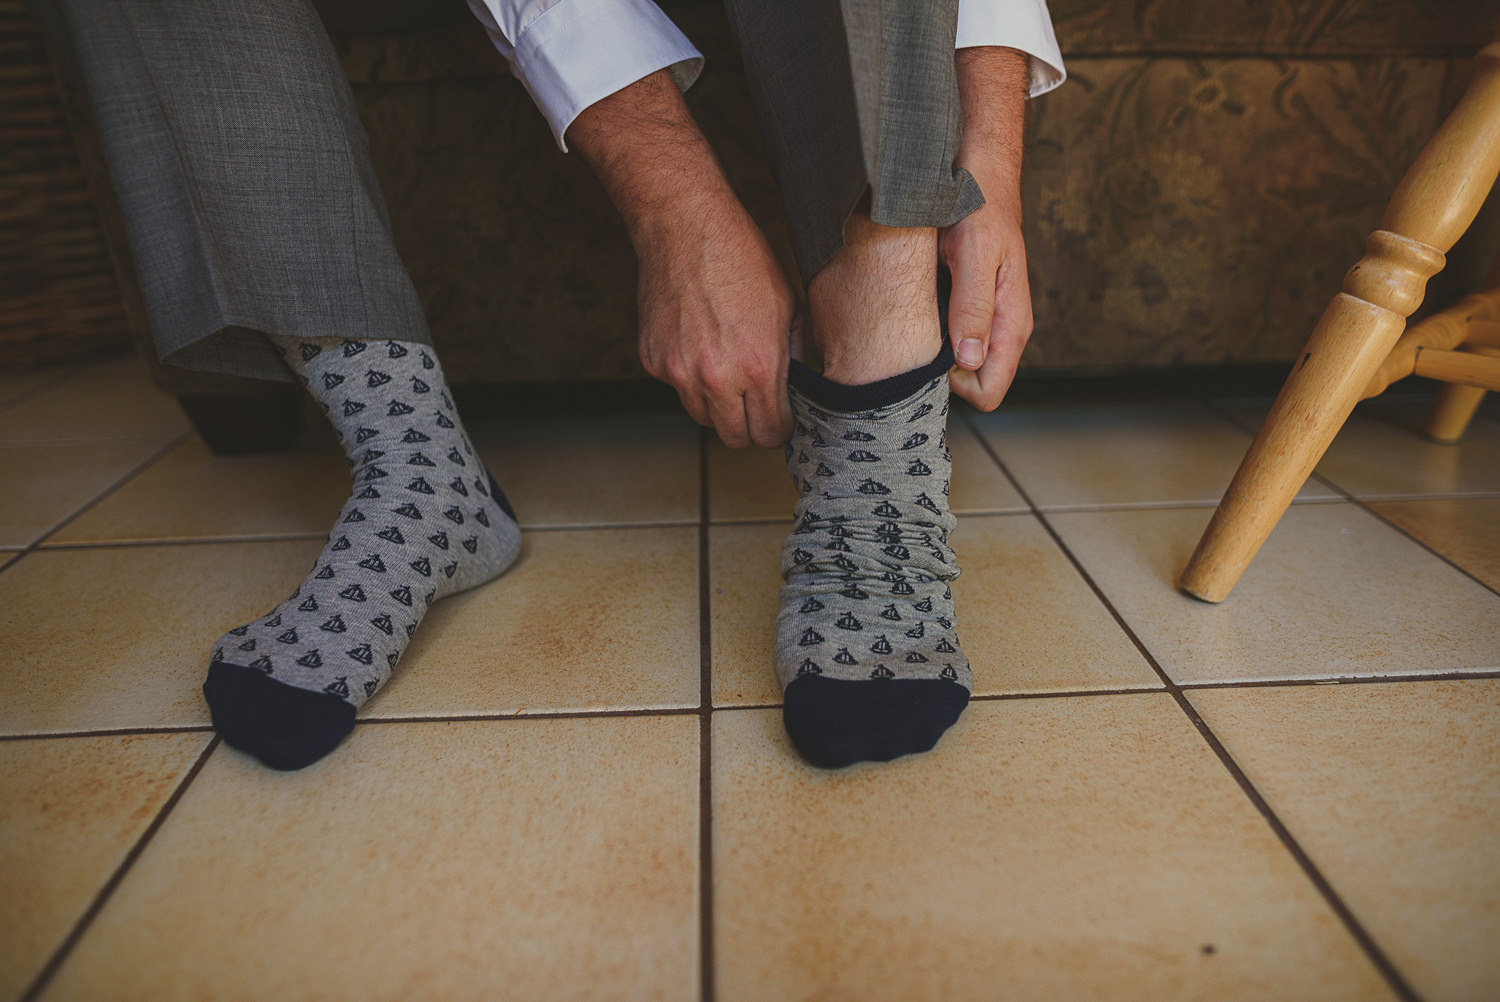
point(652, 159)
point(715, 311)
point(992, 86)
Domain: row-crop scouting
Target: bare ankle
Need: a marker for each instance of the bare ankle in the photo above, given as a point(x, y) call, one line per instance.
point(873, 306)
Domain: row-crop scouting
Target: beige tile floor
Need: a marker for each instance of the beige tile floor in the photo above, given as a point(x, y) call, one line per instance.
point(577, 787)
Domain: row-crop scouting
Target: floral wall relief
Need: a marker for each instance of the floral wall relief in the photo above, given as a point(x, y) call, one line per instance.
point(1203, 211)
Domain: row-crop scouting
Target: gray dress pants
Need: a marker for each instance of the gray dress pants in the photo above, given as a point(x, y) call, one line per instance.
point(250, 203)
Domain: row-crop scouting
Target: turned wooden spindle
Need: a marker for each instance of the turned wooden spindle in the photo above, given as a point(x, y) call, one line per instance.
point(1465, 322)
point(1434, 204)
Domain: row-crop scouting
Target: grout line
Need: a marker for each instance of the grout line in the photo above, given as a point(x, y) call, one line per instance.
point(102, 898)
point(300, 537)
point(121, 481)
point(705, 735)
point(1379, 496)
point(462, 718)
point(682, 523)
point(1360, 502)
point(1372, 950)
point(731, 522)
point(684, 711)
point(1365, 504)
point(1457, 675)
point(1069, 509)
point(130, 544)
point(124, 479)
point(44, 385)
point(112, 732)
point(997, 697)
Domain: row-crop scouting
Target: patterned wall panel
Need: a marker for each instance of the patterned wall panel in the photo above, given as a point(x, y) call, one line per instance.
point(1274, 27)
point(1204, 211)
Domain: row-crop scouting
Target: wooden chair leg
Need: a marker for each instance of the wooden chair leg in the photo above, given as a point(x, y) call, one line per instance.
point(1453, 411)
point(1434, 204)
point(1351, 340)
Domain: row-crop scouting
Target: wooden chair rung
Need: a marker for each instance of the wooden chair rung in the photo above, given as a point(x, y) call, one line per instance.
point(1483, 334)
point(1467, 368)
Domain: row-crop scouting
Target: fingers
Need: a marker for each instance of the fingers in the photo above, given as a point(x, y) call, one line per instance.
point(761, 417)
point(768, 414)
point(987, 386)
point(971, 307)
point(728, 417)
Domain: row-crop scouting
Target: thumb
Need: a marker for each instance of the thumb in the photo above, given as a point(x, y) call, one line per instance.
point(971, 311)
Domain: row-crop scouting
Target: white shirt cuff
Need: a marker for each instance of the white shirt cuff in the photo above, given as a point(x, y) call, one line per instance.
point(570, 53)
point(1016, 24)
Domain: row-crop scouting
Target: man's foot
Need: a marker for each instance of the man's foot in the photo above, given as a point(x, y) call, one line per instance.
point(865, 644)
point(425, 521)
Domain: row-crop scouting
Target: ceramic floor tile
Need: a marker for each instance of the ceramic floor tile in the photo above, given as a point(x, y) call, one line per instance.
point(14, 385)
point(118, 367)
point(1465, 530)
point(105, 410)
point(748, 484)
point(46, 484)
point(1028, 622)
point(744, 579)
point(1391, 791)
point(1334, 592)
point(1090, 847)
point(585, 620)
point(1380, 452)
point(73, 808)
point(540, 859)
point(752, 484)
point(113, 638)
point(192, 494)
point(1096, 456)
point(591, 471)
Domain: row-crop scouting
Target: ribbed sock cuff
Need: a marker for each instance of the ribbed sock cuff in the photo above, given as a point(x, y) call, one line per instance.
point(840, 397)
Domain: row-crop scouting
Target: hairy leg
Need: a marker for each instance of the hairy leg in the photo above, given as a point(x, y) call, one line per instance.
point(873, 306)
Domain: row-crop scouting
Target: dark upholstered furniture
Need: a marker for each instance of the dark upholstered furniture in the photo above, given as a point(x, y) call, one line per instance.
point(1190, 191)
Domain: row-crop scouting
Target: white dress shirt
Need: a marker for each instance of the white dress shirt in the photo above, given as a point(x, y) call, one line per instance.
point(570, 53)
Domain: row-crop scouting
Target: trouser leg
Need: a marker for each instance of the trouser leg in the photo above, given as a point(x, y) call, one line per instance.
point(856, 98)
point(243, 176)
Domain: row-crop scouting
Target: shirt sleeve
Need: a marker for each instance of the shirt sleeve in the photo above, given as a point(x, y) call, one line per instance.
point(570, 53)
point(1016, 24)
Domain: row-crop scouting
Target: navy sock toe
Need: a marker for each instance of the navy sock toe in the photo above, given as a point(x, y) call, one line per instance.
point(835, 723)
point(283, 726)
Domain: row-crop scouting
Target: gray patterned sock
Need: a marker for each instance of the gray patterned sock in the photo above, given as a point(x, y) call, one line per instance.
point(865, 644)
point(425, 521)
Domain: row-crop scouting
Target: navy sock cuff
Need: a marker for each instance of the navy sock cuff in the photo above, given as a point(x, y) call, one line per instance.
point(841, 397)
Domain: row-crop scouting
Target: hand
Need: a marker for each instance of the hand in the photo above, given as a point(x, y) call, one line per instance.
point(715, 309)
point(716, 322)
point(989, 313)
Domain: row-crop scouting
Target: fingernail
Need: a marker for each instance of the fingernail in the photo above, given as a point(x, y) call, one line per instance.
point(970, 352)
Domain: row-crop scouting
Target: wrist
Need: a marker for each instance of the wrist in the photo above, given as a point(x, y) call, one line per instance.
point(682, 212)
point(654, 162)
point(992, 83)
